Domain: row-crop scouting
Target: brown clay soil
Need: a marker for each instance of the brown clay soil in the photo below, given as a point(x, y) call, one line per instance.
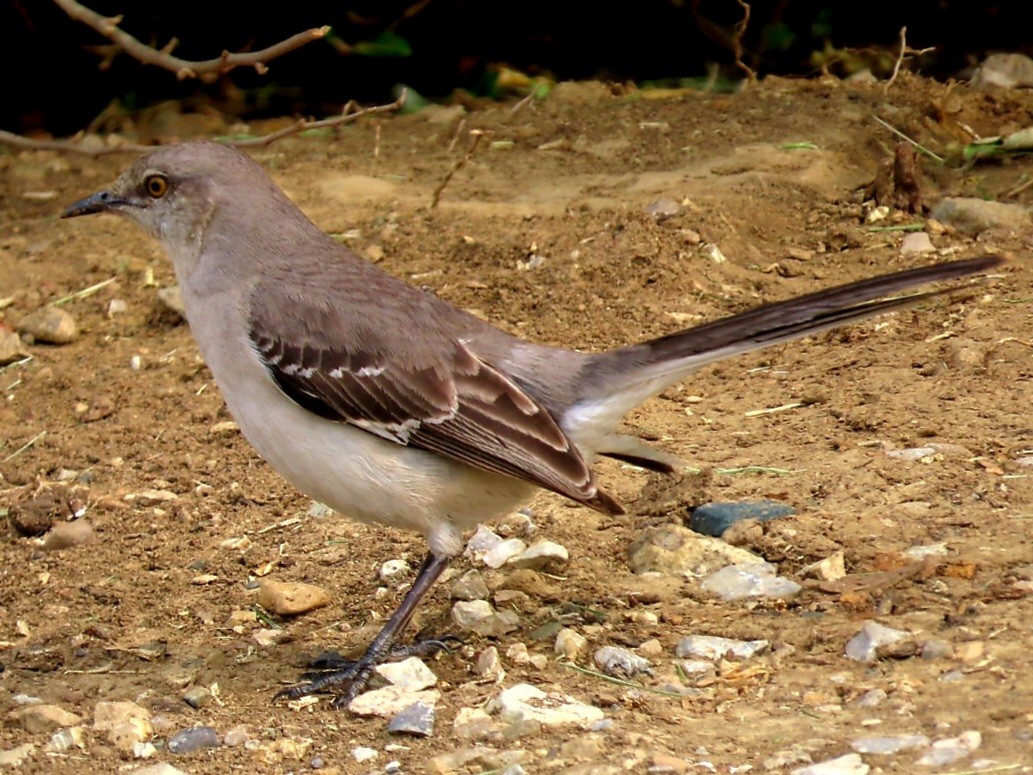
point(145, 612)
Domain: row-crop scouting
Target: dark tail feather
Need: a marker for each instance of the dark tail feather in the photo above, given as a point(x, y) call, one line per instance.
point(783, 321)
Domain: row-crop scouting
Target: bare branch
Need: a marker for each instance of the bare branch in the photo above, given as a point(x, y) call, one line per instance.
point(207, 69)
point(350, 113)
point(740, 33)
point(475, 139)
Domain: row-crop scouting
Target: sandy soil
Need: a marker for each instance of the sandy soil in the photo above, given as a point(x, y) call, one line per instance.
point(145, 612)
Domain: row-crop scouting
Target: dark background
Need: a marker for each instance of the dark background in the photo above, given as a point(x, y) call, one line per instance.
point(53, 84)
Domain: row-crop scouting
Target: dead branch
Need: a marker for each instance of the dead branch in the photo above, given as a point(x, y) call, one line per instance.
point(475, 139)
point(206, 70)
point(350, 113)
point(904, 52)
point(740, 33)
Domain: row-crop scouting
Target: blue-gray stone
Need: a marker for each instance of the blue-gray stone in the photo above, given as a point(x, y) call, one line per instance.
point(713, 519)
point(193, 739)
point(416, 719)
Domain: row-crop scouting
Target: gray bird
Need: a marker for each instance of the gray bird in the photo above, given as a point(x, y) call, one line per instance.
point(391, 405)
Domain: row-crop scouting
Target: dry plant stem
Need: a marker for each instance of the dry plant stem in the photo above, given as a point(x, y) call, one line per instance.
point(349, 113)
point(206, 70)
point(904, 51)
point(740, 32)
point(476, 135)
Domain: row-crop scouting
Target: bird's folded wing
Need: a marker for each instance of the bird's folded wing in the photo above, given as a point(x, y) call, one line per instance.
point(439, 397)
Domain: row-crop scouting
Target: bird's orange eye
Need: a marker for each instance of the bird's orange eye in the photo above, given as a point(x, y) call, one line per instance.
point(156, 186)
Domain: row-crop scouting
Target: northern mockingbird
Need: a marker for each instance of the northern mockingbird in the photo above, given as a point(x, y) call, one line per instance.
point(388, 403)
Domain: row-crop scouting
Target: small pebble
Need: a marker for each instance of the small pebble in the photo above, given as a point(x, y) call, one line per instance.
point(621, 662)
point(41, 718)
point(713, 519)
point(158, 768)
point(870, 699)
point(193, 739)
point(410, 674)
point(488, 664)
point(738, 582)
point(393, 571)
point(524, 702)
point(503, 552)
point(832, 568)
point(11, 347)
point(197, 696)
point(16, 757)
point(469, 586)
point(125, 723)
point(916, 242)
point(547, 556)
point(889, 744)
point(318, 509)
point(65, 535)
point(850, 764)
point(236, 736)
point(934, 648)
point(289, 598)
point(478, 616)
point(950, 750)
point(714, 648)
point(662, 209)
point(416, 719)
point(51, 325)
point(570, 644)
point(64, 740)
point(865, 646)
point(390, 700)
point(363, 754)
point(172, 298)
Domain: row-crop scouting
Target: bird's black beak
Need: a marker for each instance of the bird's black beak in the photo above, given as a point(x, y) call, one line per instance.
point(102, 201)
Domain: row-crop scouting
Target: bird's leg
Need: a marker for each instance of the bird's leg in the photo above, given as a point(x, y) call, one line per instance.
point(357, 673)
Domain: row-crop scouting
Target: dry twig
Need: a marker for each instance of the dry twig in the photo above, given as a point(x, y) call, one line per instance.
point(476, 135)
point(349, 113)
point(904, 51)
point(740, 33)
point(208, 69)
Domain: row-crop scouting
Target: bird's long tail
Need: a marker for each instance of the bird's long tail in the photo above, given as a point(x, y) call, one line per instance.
point(615, 382)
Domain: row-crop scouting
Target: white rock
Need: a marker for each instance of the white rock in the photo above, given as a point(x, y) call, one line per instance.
point(542, 555)
point(15, 757)
point(410, 674)
point(40, 718)
point(916, 242)
point(832, 568)
point(482, 541)
point(503, 552)
point(478, 616)
point(714, 648)
point(864, 646)
point(64, 740)
point(621, 662)
point(158, 768)
point(929, 550)
point(125, 723)
point(363, 754)
point(389, 700)
point(952, 749)
point(524, 702)
point(889, 744)
point(570, 644)
point(739, 582)
point(394, 570)
point(850, 764)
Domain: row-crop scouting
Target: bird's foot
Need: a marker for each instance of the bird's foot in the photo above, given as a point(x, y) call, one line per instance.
point(330, 669)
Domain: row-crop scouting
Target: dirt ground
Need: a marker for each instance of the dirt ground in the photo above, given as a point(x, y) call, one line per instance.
point(545, 231)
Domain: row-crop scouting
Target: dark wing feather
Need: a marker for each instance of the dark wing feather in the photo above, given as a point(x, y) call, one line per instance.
point(443, 399)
